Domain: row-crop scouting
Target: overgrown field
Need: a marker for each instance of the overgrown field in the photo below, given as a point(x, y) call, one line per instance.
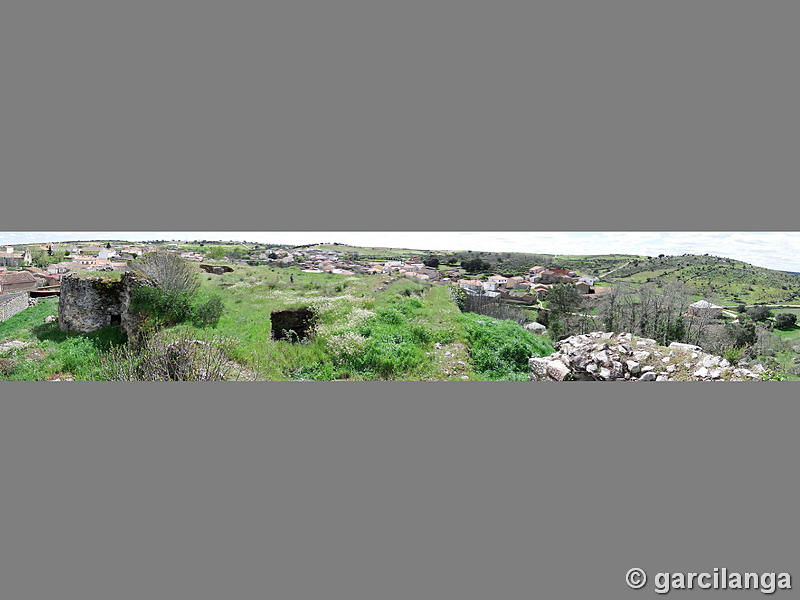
point(368, 328)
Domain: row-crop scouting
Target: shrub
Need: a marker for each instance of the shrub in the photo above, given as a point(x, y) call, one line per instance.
point(168, 272)
point(167, 307)
point(160, 357)
point(759, 313)
point(500, 349)
point(209, 312)
point(785, 320)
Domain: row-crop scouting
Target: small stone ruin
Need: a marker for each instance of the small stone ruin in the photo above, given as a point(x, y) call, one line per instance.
point(292, 325)
point(216, 269)
point(86, 305)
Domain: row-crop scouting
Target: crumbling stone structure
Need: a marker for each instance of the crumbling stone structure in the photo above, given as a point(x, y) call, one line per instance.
point(86, 305)
point(13, 303)
point(600, 356)
point(216, 269)
point(292, 325)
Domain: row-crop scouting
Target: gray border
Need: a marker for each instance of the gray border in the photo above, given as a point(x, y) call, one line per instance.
point(415, 115)
point(390, 490)
point(604, 116)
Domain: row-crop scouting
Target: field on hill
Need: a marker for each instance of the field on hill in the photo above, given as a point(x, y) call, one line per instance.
point(726, 281)
point(370, 327)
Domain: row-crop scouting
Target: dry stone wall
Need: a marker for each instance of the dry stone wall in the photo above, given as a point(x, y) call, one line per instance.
point(13, 303)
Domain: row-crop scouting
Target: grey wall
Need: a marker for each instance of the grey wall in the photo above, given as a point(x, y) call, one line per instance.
point(13, 303)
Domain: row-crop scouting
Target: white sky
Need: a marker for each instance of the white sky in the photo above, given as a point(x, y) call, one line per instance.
point(775, 250)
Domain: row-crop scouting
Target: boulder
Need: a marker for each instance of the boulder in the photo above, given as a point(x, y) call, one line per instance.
point(649, 376)
point(557, 370)
point(538, 367)
point(536, 327)
point(682, 346)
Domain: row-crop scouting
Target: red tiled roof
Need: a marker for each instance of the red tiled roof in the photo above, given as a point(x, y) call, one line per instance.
point(17, 277)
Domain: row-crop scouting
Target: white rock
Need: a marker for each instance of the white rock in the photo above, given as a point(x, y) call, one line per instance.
point(701, 372)
point(649, 376)
point(641, 355)
point(670, 368)
point(633, 366)
point(681, 346)
point(538, 367)
point(662, 378)
point(710, 361)
point(715, 373)
point(557, 370)
point(724, 363)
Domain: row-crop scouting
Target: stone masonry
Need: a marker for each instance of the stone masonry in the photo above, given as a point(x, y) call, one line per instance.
point(89, 304)
point(12, 303)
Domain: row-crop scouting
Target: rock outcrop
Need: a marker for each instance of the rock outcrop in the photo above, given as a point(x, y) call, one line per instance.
point(602, 356)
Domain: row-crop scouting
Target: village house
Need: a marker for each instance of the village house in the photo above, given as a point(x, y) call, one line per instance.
point(106, 253)
point(540, 290)
point(17, 281)
point(514, 282)
point(15, 259)
point(556, 276)
point(498, 280)
point(59, 268)
point(704, 308)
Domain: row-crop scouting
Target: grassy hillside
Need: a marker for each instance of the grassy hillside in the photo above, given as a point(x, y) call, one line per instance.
point(369, 328)
point(725, 279)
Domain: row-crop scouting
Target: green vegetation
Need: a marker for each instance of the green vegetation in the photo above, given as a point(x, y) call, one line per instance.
point(733, 282)
point(367, 328)
point(50, 352)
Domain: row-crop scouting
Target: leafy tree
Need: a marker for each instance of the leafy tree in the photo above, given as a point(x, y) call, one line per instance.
point(759, 313)
point(741, 335)
point(785, 320)
point(168, 272)
point(216, 252)
point(563, 298)
point(431, 261)
point(474, 265)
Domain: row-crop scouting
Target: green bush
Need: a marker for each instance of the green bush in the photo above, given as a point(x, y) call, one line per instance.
point(785, 320)
point(171, 308)
point(209, 312)
point(500, 349)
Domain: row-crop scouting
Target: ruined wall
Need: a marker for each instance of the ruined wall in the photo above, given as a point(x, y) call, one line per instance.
point(89, 304)
point(12, 303)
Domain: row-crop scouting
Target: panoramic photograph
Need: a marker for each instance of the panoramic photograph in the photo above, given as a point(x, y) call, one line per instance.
point(400, 306)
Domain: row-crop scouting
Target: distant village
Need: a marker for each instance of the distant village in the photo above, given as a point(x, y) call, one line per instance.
point(18, 273)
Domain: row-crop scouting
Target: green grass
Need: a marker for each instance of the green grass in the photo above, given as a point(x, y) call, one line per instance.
point(369, 327)
point(52, 352)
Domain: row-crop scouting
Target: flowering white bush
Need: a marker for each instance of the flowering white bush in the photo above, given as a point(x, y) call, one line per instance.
point(345, 345)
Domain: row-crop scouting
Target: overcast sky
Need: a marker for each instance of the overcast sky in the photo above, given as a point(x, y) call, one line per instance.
point(775, 250)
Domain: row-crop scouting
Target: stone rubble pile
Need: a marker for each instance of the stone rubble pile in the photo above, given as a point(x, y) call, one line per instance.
point(600, 356)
